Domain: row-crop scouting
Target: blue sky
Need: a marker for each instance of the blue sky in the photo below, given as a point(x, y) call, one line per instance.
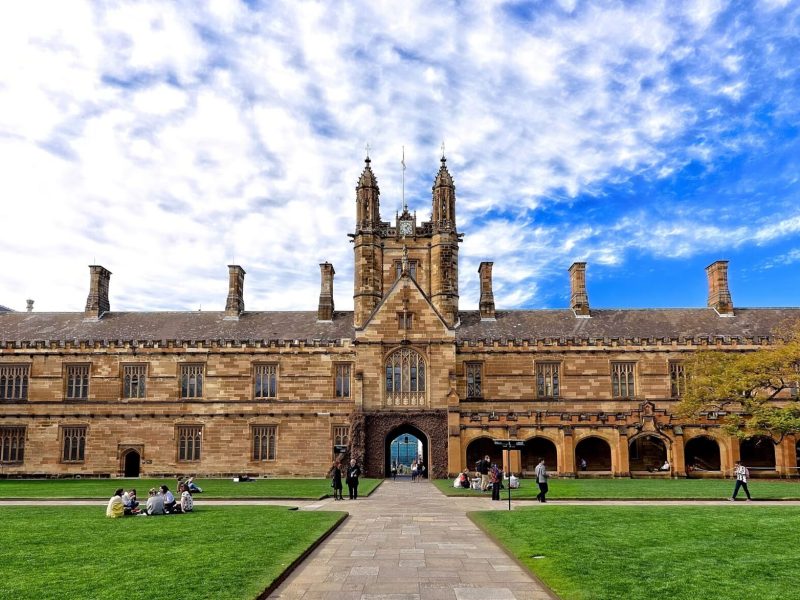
point(167, 140)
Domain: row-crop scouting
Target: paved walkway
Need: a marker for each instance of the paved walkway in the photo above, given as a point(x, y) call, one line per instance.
point(409, 542)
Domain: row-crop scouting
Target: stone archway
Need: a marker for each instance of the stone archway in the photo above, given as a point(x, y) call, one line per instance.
point(702, 454)
point(378, 426)
point(758, 452)
point(480, 447)
point(406, 431)
point(536, 448)
point(131, 463)
point(647, 453)
point(596, 452)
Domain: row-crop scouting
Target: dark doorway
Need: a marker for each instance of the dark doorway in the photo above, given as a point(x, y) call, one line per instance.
point(647, 453)
point(481, 447)
point(596, 452)
point(406, 444)
point(132, 463)
point(758, 451)
point(536, 448)
point(702, 454)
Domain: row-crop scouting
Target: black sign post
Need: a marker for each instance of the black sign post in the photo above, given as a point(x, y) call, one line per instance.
point(508, 446)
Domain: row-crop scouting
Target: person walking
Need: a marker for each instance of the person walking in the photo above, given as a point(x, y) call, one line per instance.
point(496, 478)
point(353, 473)
point(336, 480)
point(483, 470)
point(414, 471)
point(742, 473)
point(541, 479)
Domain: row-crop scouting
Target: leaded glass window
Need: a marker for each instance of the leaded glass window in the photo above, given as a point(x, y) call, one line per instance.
point(192, 381)
point(12, 444)
point(405, 378)
point(264, 442)
point(190, 441)
point(342, 381)
point(622, 380)
point(133, 381)
point(548, 382)
point(474, 380)
point(14, 382)
point(77, 382)
point(266, 384)
point(73, 444)
point(677, 379)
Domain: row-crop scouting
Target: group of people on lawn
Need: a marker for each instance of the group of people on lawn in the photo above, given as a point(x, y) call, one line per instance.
point(488, 474)
point(160, 501)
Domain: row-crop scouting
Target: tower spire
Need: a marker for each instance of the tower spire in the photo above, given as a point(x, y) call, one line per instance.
point(403, 162)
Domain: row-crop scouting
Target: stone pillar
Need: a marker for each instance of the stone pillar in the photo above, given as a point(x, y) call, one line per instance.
point(622, 467)
point(566, 465)
point(454, 460)
point(579, 299)
point(234, 306)
point(97, 301)
point(782, 460)
point(719, 296)
point(678, 458)
point(730, 456)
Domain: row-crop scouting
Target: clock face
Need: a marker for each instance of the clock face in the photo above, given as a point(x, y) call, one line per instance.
point(406, 227)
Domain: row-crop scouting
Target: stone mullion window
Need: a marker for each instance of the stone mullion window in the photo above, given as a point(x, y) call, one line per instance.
point(14, 382)
point(412, 269)
point(342, 381)
point(622, 382)
point(192, 381)
point(266, 381)
point(405, 378)
point(474, 380)
point(190, 441)
point(134, 381)
point(264, 442)
point(548, 381)
point(12, 445)
point(677, 379)
point(77, 382)
point(341, 435)
point(73, 444)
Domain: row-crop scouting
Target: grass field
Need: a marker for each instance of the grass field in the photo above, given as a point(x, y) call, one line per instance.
point(217, 552)
point(312, 489)
point(641, 553)
point(646, 489)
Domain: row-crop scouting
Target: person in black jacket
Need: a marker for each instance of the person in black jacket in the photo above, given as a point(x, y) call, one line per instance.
point(336, 480)
point(353, 473)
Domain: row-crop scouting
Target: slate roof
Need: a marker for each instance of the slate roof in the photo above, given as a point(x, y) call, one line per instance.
point(303, 325)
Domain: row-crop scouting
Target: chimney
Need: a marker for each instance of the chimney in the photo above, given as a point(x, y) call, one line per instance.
point(579, 299)
point(97, 301)
point(234, 306)
point(486, 304)
point(719, 296)
point(30, 305)
point(325, 310)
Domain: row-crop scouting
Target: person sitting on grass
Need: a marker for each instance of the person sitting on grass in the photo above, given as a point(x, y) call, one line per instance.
point(187, 502)
point(115, 508)
point(155, 503)
point(130, 502)
point(192, 486)
point(169, 499)
point(665, 466)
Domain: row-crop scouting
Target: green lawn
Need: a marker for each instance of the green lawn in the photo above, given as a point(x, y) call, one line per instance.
point(645, 489)
point(216, 552)
point(691, 553)
point(212, 488)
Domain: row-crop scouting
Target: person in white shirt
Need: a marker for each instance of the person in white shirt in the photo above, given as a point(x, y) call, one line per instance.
point(665, 466)
point(513, 482)
point(742, 473)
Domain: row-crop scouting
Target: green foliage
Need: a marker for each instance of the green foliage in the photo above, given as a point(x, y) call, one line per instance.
point(230, 552)
point(751, 385)
point(634, 489)
point(311, 489)
point(640, 553)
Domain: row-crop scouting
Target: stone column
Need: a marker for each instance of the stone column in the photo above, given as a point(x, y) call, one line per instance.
point(678, 458)
point(566, 465)
point(622, 467)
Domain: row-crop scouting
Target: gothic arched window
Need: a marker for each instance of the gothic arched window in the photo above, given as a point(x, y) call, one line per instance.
point(405, 378)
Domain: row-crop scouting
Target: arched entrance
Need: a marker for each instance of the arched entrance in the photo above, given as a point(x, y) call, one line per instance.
point(758, 451)
point(536, 448)
point(483, 446)
point(406, 443)
point(132, 461)
point(596, 452)
point(702, 454)
point(647, 453)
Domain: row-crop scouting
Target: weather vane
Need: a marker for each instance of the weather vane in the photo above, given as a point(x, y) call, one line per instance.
point(367, 149)
point(403, 162)
point(442, 148)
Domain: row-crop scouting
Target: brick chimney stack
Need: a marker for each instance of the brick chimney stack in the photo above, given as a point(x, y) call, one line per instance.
point(579, 299)
point(325, 310)
point(486, 304)
point(719, 296)
point(234, 306)
point(97, 302)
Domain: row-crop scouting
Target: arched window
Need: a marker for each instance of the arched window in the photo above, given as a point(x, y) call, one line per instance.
point(405, 378)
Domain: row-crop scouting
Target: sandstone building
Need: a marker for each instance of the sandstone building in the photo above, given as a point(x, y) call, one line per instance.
point(277, 393)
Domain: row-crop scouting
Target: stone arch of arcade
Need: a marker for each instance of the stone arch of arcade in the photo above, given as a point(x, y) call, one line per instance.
point(702, 454)
point(380, 429)
point(480, 447)
point(596, 451)
point(758, 452)
point(537, 447)
point(647, 452)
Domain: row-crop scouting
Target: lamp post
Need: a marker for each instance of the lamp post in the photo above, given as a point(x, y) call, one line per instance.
point(508, 446)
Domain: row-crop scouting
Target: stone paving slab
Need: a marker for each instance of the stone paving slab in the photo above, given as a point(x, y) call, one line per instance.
point(409, 541)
